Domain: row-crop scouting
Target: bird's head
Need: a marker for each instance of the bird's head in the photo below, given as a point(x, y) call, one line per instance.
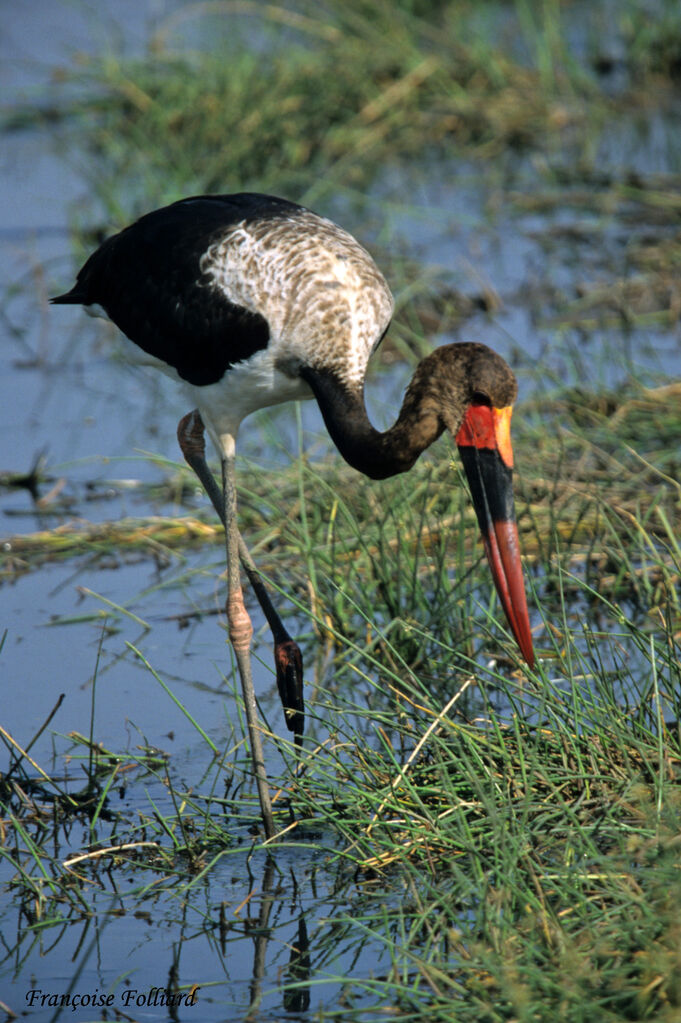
point(477, 390)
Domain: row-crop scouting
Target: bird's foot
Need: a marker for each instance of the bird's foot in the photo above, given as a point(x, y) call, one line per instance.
point(288, 662)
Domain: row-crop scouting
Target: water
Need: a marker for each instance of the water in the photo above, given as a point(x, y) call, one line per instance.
point(242, 958)
point(236, 931)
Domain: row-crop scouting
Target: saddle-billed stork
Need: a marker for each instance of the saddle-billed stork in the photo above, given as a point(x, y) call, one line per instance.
point(248, 301)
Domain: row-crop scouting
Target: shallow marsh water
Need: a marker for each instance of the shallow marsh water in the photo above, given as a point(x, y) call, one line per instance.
point(63, 394)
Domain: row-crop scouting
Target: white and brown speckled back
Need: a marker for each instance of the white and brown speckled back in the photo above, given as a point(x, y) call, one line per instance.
point(236, 296)
point(325, 300)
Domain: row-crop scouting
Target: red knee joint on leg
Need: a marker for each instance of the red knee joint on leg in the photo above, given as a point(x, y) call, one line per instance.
point(190, 436)
point(240, 627)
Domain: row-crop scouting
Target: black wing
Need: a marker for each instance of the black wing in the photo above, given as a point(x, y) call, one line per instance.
point(149, 282)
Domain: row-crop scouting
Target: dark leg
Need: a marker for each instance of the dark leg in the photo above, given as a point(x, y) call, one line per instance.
point(287, 657)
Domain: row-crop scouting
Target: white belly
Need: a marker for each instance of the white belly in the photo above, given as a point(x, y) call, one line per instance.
point(245, 388)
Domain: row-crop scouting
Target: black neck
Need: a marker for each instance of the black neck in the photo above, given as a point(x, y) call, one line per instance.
point(375, 454)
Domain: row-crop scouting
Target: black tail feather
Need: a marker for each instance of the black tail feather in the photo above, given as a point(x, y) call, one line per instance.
point(72, 297)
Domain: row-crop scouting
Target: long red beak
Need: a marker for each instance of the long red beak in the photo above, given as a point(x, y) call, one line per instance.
point(484, 443)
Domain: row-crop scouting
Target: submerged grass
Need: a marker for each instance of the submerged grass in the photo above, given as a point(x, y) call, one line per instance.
point(508, 839)
point(524, 827)
point(238, 94)
point(400, 83)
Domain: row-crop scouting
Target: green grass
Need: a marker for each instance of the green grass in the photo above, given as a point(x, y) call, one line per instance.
point(525, 823)
point(205, 111)
point(509, 838)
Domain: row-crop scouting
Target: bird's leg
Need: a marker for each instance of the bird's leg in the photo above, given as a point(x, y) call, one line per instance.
point(190, 436)
point(288, 660)
point(240, 633)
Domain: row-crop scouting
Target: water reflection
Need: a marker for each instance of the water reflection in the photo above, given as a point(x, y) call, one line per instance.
point(296, 975)
point(249, 956)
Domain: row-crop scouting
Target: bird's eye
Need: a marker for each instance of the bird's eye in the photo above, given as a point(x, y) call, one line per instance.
point(480, 398)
